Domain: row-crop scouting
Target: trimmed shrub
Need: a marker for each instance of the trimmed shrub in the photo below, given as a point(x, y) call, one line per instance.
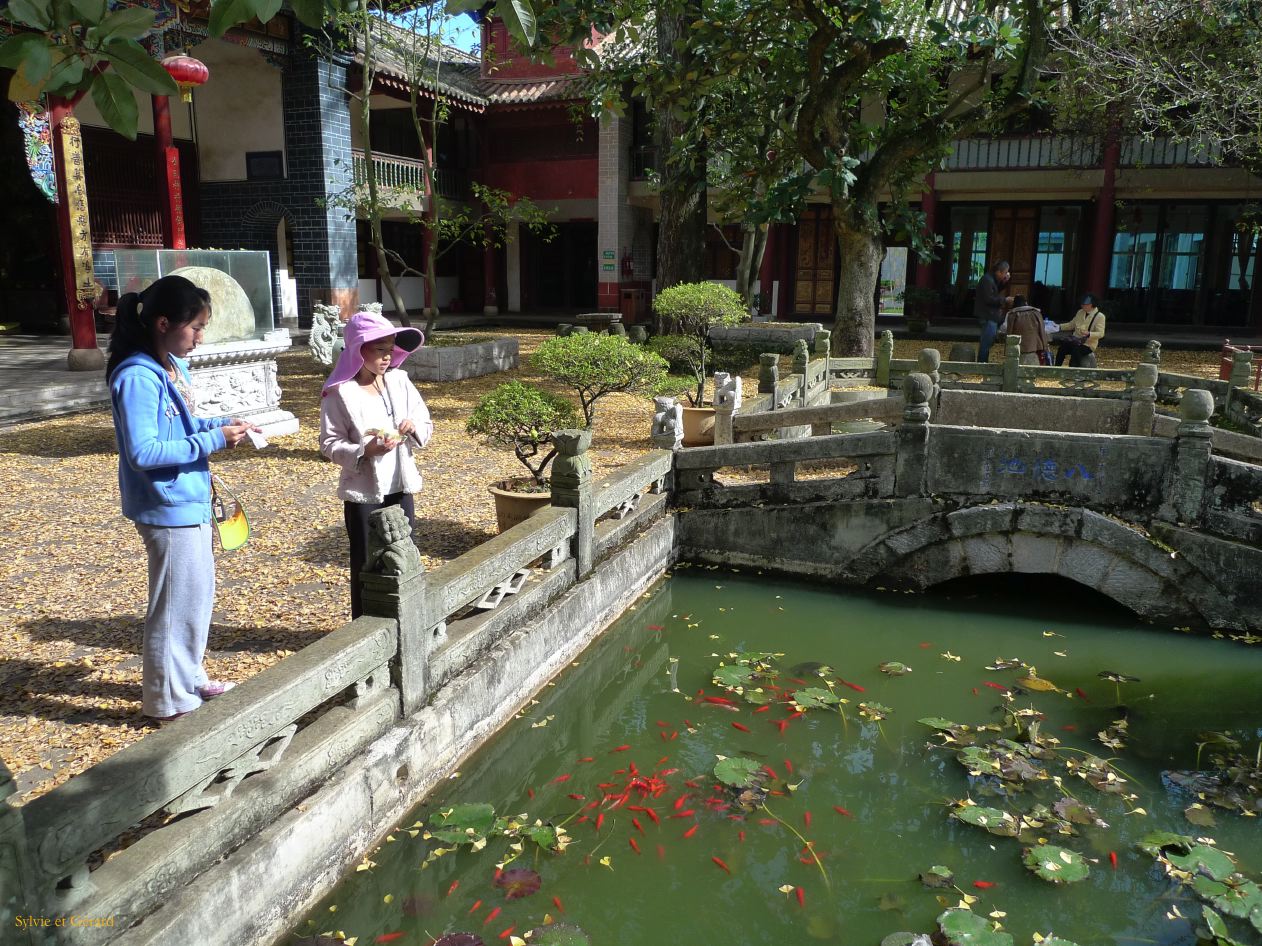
point(594, 366)
point(523, 417)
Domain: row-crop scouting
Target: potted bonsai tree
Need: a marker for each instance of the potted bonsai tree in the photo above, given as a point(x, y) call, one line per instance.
point(689, 311)
point(523, 417)
point(595, 366)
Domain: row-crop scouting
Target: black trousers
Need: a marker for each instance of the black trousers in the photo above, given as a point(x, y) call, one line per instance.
point(356, 516)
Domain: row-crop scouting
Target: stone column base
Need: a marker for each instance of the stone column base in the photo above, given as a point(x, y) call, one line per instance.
point(239, 379)
point(490, 310)
point(85, 359)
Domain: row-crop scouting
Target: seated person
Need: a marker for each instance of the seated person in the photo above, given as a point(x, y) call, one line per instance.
point(1086, 328)
point(1027, 321)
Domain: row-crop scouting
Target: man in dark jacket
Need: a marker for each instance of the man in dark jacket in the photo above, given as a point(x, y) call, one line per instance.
point(988, 306)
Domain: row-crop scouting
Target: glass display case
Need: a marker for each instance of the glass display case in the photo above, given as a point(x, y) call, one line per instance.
point(238, 316)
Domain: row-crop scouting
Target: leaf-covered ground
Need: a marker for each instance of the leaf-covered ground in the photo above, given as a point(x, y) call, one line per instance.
point(74, 569)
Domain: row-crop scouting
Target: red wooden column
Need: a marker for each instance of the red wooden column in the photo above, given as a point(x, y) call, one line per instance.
point(84, 354)
point(929, 207)
point(169, 184)
point(1101, 250)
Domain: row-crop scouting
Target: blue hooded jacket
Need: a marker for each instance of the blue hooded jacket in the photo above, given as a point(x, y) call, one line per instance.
point(163, 463)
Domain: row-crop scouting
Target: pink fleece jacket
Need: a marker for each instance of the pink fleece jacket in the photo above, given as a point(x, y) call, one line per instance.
point(343, 438)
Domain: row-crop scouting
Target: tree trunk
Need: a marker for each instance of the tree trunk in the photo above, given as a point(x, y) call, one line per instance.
point(753, 248)
point(858, 274)
point(682, 187)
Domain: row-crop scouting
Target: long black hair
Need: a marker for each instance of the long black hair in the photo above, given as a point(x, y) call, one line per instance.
point(137, 314)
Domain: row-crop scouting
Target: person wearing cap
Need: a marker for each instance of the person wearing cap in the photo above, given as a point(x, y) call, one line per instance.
point(371, 418)
point(1086, 328)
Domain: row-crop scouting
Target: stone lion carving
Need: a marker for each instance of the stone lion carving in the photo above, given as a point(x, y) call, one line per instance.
point(668, 423)
point(1152, 352)
point(727, 391)
point(390, 547)
point(325, 340)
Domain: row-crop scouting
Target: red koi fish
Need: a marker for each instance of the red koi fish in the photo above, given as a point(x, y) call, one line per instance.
point(691, 831)
point(388, 937)
point(661, 853)
point(656, 627)
point(801, 895)
point(556, 902)
point(477, 905)
point(854, 686)
point(620, 748)
point(798, 714)
point(582, 818)
point(763, 709)
point(679, 802)
point(530, 792)
point(1082, 696)
point(995, 686)
point(719, 861)
point(634, 846)
point(505, 934)
point(788, 766)
point(740, 836)
point(782, 725)
point(806, 819)
point(925, 645)
point(740, 726)
point(842, 811)
point(687, 813)
point(984, 884)
point(674, 735)
point(664, 735)
point(600, 820)
point(974, 691)
point(1072, 727)
point(767, 821)
point(1113, 859)
point(722, 701)
point(638, 827)
point(561, 778)
point(772, 772)
point(652, 815)
point(491, 916)
point(587, 758)
point(452, 888)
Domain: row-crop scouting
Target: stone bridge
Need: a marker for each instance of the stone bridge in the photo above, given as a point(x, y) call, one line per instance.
point(1147, 509)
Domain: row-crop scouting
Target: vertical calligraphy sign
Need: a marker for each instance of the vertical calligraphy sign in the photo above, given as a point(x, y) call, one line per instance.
point(77, 209)
point(175, 192)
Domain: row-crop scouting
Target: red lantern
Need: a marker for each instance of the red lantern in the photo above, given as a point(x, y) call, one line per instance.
point(187, 72)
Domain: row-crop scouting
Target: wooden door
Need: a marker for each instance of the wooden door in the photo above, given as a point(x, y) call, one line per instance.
point(1014, 235)
point(813, 282)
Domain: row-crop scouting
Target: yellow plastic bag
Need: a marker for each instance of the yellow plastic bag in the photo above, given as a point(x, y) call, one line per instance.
point(231, 522)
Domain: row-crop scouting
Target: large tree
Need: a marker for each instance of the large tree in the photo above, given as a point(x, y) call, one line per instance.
point(874, 92)
point(1190, 70)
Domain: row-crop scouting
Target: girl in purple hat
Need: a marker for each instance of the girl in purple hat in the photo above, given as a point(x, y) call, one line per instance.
point(371, 417)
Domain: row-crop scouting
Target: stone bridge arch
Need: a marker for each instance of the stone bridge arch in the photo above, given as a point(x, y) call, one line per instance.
point(1098, 551)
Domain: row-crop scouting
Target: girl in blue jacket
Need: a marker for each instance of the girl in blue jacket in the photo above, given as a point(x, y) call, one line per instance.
point(164, 478)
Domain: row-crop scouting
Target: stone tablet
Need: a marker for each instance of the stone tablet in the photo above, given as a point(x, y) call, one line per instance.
point(232, 315)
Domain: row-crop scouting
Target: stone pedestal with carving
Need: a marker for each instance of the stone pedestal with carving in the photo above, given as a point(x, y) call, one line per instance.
point(239, 379)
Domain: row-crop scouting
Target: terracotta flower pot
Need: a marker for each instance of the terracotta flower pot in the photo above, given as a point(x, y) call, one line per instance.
point(511, 507)
point(698, 426)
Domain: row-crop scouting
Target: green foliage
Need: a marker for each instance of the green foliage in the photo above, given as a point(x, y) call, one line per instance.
point(524, 417)
point(594, 366)
point(962, 927)
point(1056, 865)
point(739, 772)
point(690, 310)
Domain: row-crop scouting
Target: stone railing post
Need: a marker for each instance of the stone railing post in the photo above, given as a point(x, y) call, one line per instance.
point(823, 345)
point(1143, 401)
point(801, 357)
point(913, 436)
point(884, 355)
point(1241, 369)
point(17, 892)
point(394, 586)
point(768, 373)
point(1185, 494)
point(1152, 353)
point(1011, 362)
point(572, 489)
point(929, 362)
point(727, 402)
point(668, 423)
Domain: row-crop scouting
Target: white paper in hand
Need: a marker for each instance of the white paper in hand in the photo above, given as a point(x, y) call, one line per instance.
point(257, 439)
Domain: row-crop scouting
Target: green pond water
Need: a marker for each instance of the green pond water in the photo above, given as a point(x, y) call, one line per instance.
point(873, 798)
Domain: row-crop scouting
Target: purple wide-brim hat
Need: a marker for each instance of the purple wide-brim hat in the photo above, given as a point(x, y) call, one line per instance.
point(365, 327)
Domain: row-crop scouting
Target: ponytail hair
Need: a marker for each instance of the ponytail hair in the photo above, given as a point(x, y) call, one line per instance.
point(137, 314)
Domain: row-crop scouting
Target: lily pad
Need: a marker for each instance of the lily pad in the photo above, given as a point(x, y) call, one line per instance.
point(937, 876)
point(937, 722)
point(1217, 928)
point(1076, 812)
point(559, 934)
point(1200, 816)
point(463, 824)
point(1056, 865)
point(907, 939)
point(1155, 843)
point(1203, 859)
point(992, 819)
point(894, 668)
point(814, 698)
point(518, 882)
point(738, 772)
point(459, 939)
point(732, 677)
point(874, 711)
point(961, 927)
point(1056, 941)
point(1239, 899)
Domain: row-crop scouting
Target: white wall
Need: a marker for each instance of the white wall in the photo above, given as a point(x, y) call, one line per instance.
point(238, 110)
point(413, 290)
point(181, 122)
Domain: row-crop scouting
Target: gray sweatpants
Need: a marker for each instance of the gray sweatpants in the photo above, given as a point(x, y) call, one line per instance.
point(181, 597)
